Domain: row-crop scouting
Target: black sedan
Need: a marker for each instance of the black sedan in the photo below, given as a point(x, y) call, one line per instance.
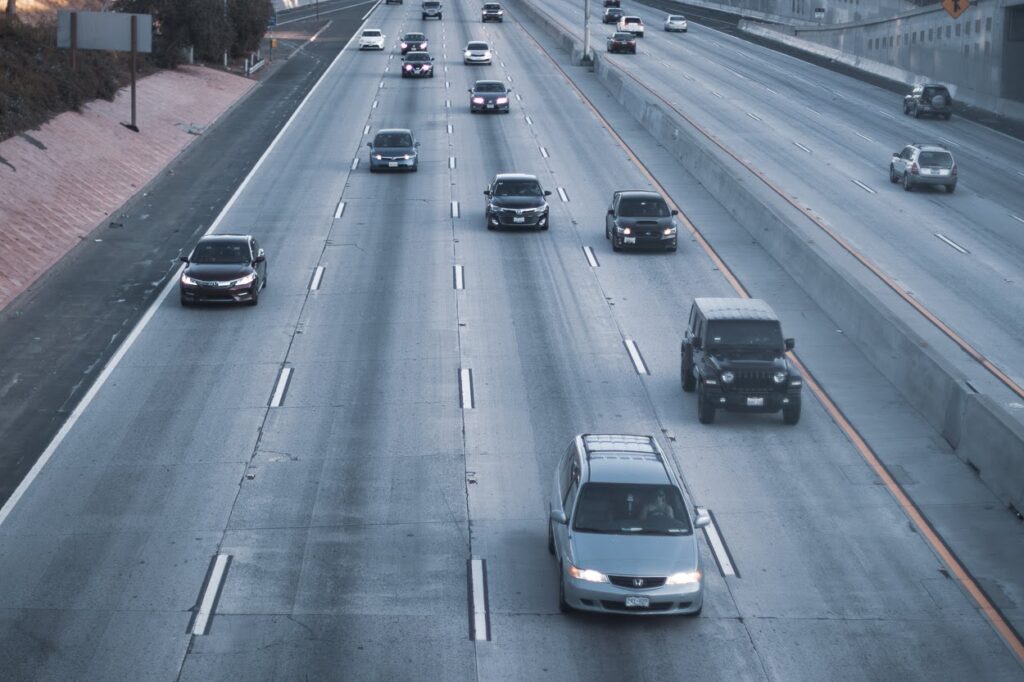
point(224, 268)
point(611, 15)
point(417, 65)
point(413, 42)
point(620, 41)
point(516, 200)
point(489, 96)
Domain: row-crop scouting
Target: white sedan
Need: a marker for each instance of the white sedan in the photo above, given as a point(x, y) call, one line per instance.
point(371, 39)
point(477, 52)
point(675, 22)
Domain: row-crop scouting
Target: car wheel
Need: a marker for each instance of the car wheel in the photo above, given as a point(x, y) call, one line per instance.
point(487, 220)
point(424, 17)
point(563, 605)
point(616, 246)
point(255, 297)
point(892, 174)
point(950, 188)
point(917, 112)
point(705, 410)
point(906, 109)
point(185, 303)
point(907, 185)
point(263, 284)
point(551, 540)
point(686, 376)
point(791, 414)
point(415, 167)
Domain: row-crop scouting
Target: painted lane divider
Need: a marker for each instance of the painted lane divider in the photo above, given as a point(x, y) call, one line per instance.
point(591, 258)
point(381, 85)
point(519, 98)
point(1017, 218)
point(754, 116)
point(716, 94)
point(803, 147)
point(947, 141)
point(447, 84)
point(366, 130)
point(723, 558)
point(450, 129)
point(340, 210)
point(544, 152)
point(447, 104)
point(455, 209)
point(863, 137)
point(386, 69)
point(458, 278)
point(634, 355)
point(951, 243)
point(466, 388)
point(355, 163)
point(864, 187)
point(479, 619)
point(374, 104)
point(283, 379)
point(562, 195)
point(529, 121)
point(318, 274)
point(210, 594)
point(451, 162)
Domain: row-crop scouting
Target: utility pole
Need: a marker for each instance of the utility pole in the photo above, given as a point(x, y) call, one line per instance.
point(586, 32)
point(225, 23)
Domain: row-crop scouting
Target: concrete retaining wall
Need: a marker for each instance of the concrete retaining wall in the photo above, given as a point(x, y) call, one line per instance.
point(979, 430)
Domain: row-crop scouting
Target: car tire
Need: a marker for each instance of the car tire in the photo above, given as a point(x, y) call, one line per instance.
point(908, 186)
point(917, 112)
point(616, 246)
point(950, 188)
point(791, 414)
point(906, 109)
point(255, 301)
point(185, 303)
point(551, 540)
point(686, 377)
point(705, 410)
point(415, 168)
point(487, 221)
point(892, 174)
point(563, 605)
point(424, 17)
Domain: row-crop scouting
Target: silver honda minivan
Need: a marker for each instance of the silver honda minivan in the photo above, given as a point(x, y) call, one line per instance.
point(621, 531)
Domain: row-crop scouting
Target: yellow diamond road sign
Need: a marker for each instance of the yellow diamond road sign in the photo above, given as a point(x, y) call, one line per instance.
point(956, 7)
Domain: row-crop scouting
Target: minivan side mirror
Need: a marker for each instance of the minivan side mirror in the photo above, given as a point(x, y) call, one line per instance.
point(696, 342)
point(547, 192)
point(702, 520)
point(790, 344)
point(675, 211)
point(558, 516)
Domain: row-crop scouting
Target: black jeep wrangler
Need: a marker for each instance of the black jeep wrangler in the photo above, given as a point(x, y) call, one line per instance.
point(734, 356)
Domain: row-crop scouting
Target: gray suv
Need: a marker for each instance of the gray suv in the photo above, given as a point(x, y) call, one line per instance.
point(923, 164)
point(639, 218)
point(621, 530)
point(431, 9)
point(734, 357)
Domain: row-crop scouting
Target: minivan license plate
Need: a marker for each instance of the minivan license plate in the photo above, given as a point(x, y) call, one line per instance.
point(755, 402)
point(637, 602)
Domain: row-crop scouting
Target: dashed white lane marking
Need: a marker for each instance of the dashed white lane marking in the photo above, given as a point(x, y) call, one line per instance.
point(519, 98)
point(562, 195)
point(447, 84)
point(318, 275)
point(1020, 173)
point(1017, 218)
point(459, 280)
point(450, 129)
point(864, 187)
point(863, 137)
point(770, 90)
point(466, 388)
point(339, 210)
point(366, 130)
point(803, 147)
point(480, 620)
point(509, 78)
point(381, 85)
point(355, 163)
point(451, 162)
point(591, 258)
point(951, 243)
point(718, 547)
point(386, 69)
point(455, 209)
point(634, 355)
point(887, 115)
point(282, 387)
point(716, 94)
point(375, 102)
point(947, 141)
point(447, 104)
point(529, 121)
point(213, 586)
point(754, 116)
point(503, 65)
point(446, 69)
point(544, 152)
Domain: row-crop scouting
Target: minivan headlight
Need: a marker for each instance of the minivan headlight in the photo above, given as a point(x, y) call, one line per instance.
point(683, 578)
point(587, 574)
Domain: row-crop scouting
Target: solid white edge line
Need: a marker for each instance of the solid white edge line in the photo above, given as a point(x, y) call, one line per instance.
point(340, 210)
point(863, 137)
point(591, 258)
point(460, 283)
point(951, 243)
point(544, 152)
point(282, 385)
point(363, 18)
point(466, 388)
point(718, 547)
point(634, 355)
point(455, 209)
point(119, 354)
point(480, 633)
point(864, 187)
point(562, 195)
point(212, 588)
point(318, 275)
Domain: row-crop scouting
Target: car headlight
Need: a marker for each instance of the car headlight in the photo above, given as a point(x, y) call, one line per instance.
point(501, 100)
point(627, 230)
point(248, 279)
point(668, 230)
point(185, 279)
point(779, 377)
point(478, 100)
point(683, 578)
point(378, 157)
point(588, 574)
point(423, 46)
point(405, 45)
point(728, 377)
point(405, 156)
point(408, 67)
point(426, 66)
point(468, 54)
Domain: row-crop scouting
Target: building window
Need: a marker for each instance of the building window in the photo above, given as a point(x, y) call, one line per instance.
point(988, 25)
point(967, 28)
point(977, 26)
point(947, 31)
point(930, 34)
point(958, 30)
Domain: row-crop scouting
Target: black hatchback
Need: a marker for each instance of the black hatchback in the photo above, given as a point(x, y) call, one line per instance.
point(224, 268)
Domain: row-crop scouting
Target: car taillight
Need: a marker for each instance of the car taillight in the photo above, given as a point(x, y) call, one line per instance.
point(914, 168)
point(953, 170)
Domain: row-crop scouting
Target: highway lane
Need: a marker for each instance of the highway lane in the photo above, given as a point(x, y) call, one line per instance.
point(350, 511)
point(826, 139)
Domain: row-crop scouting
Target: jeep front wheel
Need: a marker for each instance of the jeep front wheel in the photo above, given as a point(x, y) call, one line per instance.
point(689, 381)
point(705, 410)
point(791, 414)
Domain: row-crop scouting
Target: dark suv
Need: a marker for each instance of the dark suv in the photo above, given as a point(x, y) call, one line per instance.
point(734, 356)
point(641, 218)
point(929, 98)
point(516, 200)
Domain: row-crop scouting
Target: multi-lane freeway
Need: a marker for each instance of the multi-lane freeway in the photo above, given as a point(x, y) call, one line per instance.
point(350, 480)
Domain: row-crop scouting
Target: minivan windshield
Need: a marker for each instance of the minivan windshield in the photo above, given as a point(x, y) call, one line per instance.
point(753, 334)
point(631, 509)
point(517, 188)
point(642, 207)
point(392, 140)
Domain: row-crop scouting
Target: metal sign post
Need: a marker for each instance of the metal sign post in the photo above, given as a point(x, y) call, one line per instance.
point(586, 31)
point(135, 51)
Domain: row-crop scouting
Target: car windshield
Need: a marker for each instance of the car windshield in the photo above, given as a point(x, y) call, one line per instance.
point(414, 38)
point(432, 5)
point(221, 252)
point(517, 188)
point(631, 509)
point(632, 20)
point(613, 12)
point(492, 5)
point(623, 36)
point(372, 33)
point(751, 334)
point(417, 57)
point(476, 46)
point(675, 18)
point(392, 140)
point(489, 87)
point(936, 160)
point(643, 208)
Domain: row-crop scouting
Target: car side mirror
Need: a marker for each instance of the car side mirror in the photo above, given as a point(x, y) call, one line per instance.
point(469, 90)
point(896, 153)
point(696, 342)
point(547, 192)
point(369, 144)
point(790, 344)
point(183, 259)
point(611, 211)
point(417, 144)
point(558, 516)
point(675, 211)
point(431, 59)
point(702, 520)
point(487, 192)
point(260, 258)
